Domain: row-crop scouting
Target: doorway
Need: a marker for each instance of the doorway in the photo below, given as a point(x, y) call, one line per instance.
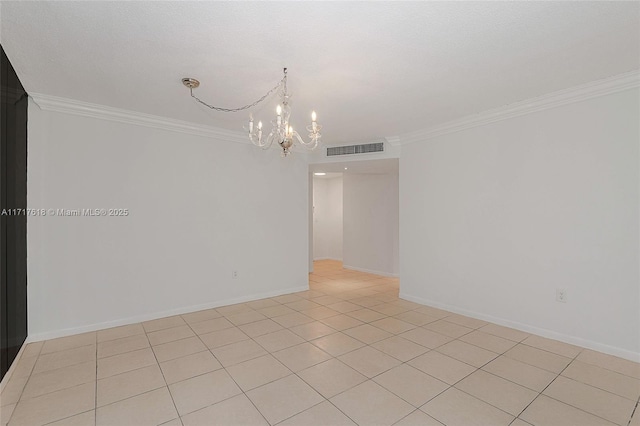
point(355, 215)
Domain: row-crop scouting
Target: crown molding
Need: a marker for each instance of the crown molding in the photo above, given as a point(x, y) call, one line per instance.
point(85, 109)
point(580, 93)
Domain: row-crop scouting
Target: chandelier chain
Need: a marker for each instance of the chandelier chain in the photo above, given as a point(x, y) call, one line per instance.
point(245, 107)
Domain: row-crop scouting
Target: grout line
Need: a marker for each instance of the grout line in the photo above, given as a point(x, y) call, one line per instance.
point(163, 377)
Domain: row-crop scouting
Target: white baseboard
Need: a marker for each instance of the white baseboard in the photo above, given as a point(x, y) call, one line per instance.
point(589, 344)
point(11, 369)
point(370, 271)
point(53, 334)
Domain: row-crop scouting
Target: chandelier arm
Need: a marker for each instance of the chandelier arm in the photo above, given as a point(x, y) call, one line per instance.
point(242, 108)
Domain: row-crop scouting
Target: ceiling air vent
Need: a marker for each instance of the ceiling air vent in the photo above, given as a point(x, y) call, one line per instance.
point(355, 149)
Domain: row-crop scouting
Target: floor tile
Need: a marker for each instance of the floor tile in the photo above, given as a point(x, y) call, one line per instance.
point(223, 337)
point(466, 321)
point(448, 328)
point(337, 344)
point(211, 325)
point(245, 317)
point(201, 391)
point(548, 411)
point(54, 406)
point(371, 404)
point(259, 328)
point(400, 348)
point(257, 372)
point(119, 332)
point(610, 362)
point(64, 358)
point(319, 313)
point(68, 342)
point(234, 309)
point(456, 408)
point(284, 398)
point(125, 385)
point(236, 353)
point(127, 361)
point(465, 352)
point(302, 305)
point(199, 316)
point(12, 390)
point(418, 418)
point(32, 349)
point(189, 366)
point(416, 318)
point(88, 418)
point(178, 348)
point(61, 378)
point(410, 384)
point(602, 378)
point(426, 338)
point(554, 346)
point(279, 340)
point(331, 377)
point(323, 414)
point(286, 298)
point(538, 358)
point(237, 410)
point(326, 300)
point(150, 408)
point(442, 367)
point(163, 323)
point(293, 319)
point(312, 330)
point(518, 372)
point(341, 322)
point(369, 361)
point(389, 309)
point(603, 404)
point(262, 303)
point(122, 345)
point(366, 315)
point(170, 334)
point(367, 333)
point(302, 356)
point(433, 312)
point(366, 302)
point(5, 413)
point(276, 311)
point(505, 332)
point(497, 391)
point(393, 325)
point(23, 367)
point(488, 341)
point(344, 307)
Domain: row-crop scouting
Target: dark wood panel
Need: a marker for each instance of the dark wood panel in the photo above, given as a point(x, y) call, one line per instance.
point(13, 228)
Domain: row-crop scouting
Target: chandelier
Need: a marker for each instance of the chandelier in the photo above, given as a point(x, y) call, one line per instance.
point(282, 131)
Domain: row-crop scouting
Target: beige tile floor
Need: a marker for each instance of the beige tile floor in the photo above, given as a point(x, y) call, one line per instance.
point(348, 351)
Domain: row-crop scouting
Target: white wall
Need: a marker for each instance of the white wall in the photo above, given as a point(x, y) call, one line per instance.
point(495, 218)
point(327, 218)
point(199, 208)
point(371, 223)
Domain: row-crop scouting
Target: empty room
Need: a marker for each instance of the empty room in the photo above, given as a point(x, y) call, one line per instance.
point(319, 213)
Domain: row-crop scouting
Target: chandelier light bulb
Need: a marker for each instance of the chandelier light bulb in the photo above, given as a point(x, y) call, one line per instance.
point(279, 110)
point(313, 116)
point(259, 125)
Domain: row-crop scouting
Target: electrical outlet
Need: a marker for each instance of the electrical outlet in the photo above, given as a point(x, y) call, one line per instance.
point(561, 295)
point(234, 274)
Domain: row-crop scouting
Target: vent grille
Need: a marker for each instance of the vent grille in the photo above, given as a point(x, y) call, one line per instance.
point(355, 149)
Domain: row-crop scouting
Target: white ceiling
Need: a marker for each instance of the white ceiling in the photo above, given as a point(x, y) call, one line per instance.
point(369, 69)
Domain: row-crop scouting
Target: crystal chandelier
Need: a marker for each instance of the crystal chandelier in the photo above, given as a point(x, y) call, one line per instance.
point(282, 131)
